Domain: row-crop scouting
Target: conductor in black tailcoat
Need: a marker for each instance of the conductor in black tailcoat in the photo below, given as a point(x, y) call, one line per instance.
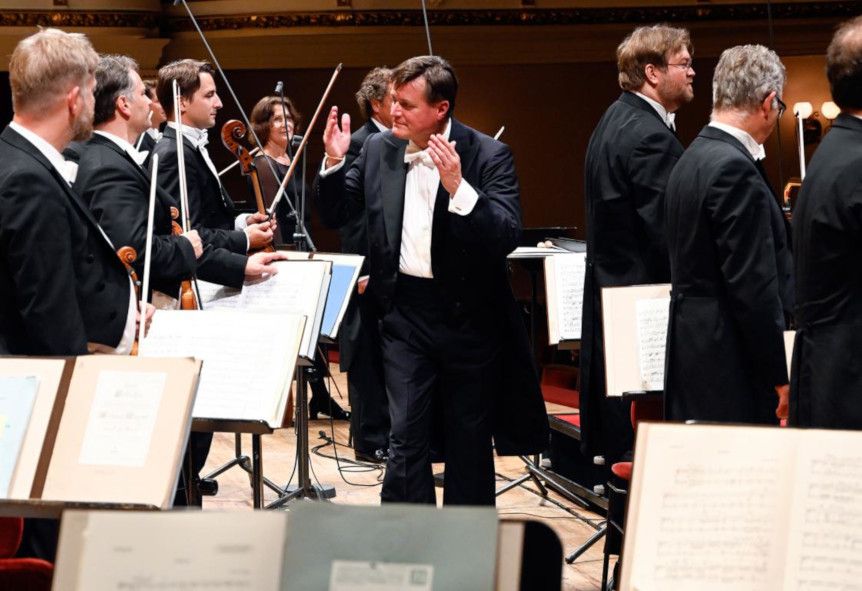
point(725, 355)
point(359, 339)
point(629, 158)
point(826, 385)
point(450, 326)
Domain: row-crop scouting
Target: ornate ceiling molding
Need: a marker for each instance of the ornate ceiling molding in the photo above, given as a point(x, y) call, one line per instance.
point(529, 17)
point(80, 19)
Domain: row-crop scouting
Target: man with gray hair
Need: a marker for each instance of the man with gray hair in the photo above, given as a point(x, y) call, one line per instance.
point(725, 357)
point(826, 389)
point(629, 158)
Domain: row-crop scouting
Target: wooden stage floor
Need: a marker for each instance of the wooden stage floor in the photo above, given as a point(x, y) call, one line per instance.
point(360, 485)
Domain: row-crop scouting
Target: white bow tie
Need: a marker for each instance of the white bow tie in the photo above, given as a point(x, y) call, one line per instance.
point(69, 171)
point(414, 154)
point(139, 157)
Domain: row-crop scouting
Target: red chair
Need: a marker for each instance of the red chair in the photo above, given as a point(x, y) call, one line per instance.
point(20, 574)
point(560, 385)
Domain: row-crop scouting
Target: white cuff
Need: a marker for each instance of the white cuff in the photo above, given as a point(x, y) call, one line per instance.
point(325, 172)
point(464, 199)
point(241, 221)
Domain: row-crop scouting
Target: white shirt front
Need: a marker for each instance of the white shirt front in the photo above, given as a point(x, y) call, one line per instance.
point(420, 195)
point(57, 161)
point(668, 118)
point(134, 154)
point(756, 150)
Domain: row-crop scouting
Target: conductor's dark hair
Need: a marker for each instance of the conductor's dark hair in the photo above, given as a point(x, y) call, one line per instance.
point(113, 80)
point(441, 82)
point(844, 65)
point(187, 73)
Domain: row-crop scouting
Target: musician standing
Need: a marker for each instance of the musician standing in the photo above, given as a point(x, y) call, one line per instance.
point(725, 356)
point(826, 385)
point(210, 206)
point(629, 158)
point(442, 207)
point(63, 290)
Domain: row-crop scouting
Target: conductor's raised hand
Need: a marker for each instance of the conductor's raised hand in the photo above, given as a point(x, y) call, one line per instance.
point(336, 139)
point(259, 266)
point(448, 162)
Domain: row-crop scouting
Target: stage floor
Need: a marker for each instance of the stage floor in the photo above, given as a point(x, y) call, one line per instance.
point(360, 485)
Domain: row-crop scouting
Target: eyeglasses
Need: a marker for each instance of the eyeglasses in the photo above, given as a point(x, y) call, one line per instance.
point(686, 65)
point(781, 106)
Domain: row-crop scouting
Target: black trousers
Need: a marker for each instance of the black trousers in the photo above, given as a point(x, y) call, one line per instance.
point(369, 419)
point(436, 356)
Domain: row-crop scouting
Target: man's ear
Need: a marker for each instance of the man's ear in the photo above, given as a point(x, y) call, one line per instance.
point(442, 109)
point(651, 74)
point(767, 104)
point(122, 105)
point(73, 102)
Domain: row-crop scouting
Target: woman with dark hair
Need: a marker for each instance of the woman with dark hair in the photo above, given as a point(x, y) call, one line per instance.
point(275, 133)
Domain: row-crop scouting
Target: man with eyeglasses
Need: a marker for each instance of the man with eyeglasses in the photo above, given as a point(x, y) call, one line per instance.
point(730, 261)
point(629, 158)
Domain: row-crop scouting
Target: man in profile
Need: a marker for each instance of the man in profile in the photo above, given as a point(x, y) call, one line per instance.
point(826, 385)
point(63, 290)
point(442, 207)
point(629, 158)
point(725, 345)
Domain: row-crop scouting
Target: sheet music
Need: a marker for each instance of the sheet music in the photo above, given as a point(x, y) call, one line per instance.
point(709, 513)
point(248, 357)
point(299, 287)
point(568, 293)
point(178, 550)
point(122, 418)
point(17, 395)
point(825, 547)
point(652, 318)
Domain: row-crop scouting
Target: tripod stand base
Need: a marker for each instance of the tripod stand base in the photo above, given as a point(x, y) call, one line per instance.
point(312, 492)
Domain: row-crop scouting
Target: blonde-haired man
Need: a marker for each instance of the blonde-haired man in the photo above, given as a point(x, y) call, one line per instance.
point(629, 158)
point(63, 291)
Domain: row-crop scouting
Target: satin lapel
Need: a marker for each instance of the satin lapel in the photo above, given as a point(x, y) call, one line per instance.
point(392, 178)
point(166, 200)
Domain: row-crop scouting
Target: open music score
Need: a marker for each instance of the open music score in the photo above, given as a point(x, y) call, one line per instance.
point(299, 288)
point(635, 322)
point(100, 430)
point(564, 289)
point(249, 359)
point(721, 508)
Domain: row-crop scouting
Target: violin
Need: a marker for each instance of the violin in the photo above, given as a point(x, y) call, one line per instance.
point(127, 256)
point(188, 301)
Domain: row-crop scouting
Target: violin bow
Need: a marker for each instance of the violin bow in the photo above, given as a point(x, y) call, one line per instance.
point(148, 248)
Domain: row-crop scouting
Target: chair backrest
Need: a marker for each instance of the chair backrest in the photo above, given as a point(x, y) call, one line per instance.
point(648, 408)
point(11, 530)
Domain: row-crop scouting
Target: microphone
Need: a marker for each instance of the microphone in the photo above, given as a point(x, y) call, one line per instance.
point(279, 88)
point(296, 139)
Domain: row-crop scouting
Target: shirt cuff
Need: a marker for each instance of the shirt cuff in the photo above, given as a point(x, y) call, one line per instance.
point(464, 199)
point(325, 172)
point(240, 222)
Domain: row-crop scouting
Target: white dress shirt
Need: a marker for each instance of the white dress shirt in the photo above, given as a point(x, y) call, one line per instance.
point(420, 195)
point(668, 118)
point(136, 155)
point(69, 172)
point(756, 150)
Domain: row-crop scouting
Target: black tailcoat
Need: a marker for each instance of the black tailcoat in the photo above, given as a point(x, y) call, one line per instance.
point(117, 191)
point(725, 350)
point(468, 255)
point(61, 282)
point(629, 158)
point(826, 388)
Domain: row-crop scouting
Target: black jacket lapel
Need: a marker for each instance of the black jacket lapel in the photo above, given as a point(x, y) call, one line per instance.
point(393, 176)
